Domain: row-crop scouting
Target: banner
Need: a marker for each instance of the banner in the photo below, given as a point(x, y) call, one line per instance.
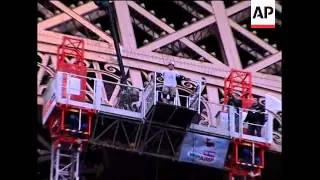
point(204, 150)
point(274, 109)
point(49, 101)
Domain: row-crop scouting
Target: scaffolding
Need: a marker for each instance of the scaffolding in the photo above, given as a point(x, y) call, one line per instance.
point(137, 120)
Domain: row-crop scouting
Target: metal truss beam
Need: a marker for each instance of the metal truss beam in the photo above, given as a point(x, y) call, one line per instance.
point(45, 11)
point(265, 63)
point(73, 25)
point(82, 21)
point(126, 33)
point(189, 29)
point(178, 34)
point(252, 37)
point(63, 17)
point(136, 78)
point(198, 72)
point(230, 52)
point(241, 29)
point(41, 72)
point(168, 29)
point(99, 51)
point(188, 8)
point(135, 136)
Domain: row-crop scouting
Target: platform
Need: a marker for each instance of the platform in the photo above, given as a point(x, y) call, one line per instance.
point(171, 115)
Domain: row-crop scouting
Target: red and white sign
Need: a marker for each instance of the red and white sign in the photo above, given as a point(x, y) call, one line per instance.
point(48, 108)
point(263, 14)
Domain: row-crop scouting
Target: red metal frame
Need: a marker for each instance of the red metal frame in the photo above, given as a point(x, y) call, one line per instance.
point(241, 142)
point(234, 165)
point(72, 48)
point(59, 117)
point(239, 81)
point(67, 140)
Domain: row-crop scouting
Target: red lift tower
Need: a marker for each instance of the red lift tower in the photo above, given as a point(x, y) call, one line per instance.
point(241, 82)
point(69, 125)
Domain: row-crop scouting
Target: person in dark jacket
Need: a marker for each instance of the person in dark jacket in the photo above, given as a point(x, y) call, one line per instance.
point(246, 157)
point(236, 102)
point(73, 121)
point(256, 119)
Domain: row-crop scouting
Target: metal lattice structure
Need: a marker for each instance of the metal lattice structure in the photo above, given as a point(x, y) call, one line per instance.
point(207, 40)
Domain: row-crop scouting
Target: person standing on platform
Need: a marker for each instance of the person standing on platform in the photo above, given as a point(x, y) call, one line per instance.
point(236, 102)
point(170, 83)
point(256, 120)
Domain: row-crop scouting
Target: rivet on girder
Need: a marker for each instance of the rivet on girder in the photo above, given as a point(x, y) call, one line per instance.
point(80, 3)
point(146, 41)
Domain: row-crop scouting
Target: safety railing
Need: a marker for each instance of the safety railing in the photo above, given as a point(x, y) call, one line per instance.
point(76, 90)
point(121, 99)
point(251, 124)
point(151, 98)
point(214, 119)
point(231, 122)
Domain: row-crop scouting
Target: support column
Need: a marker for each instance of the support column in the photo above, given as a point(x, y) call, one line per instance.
point(136, 78)
point(127, 36)
point(230, 52)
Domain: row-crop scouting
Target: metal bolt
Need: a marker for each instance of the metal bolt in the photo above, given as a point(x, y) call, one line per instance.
point(185, 23)
point(180, 54)
point(80, 3)
point(98, 25)
point(267, 54)
point(57, 12)
point(163, 19)
point(72, 6)
point(250, 62)
point(193, 19)
point(40, 19)
point(143, 5)
point(201, 59)
point(152, 12)
point(171, 25)
point(146, 41)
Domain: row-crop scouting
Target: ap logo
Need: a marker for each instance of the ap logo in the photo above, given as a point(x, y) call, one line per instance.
point(263, 14)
